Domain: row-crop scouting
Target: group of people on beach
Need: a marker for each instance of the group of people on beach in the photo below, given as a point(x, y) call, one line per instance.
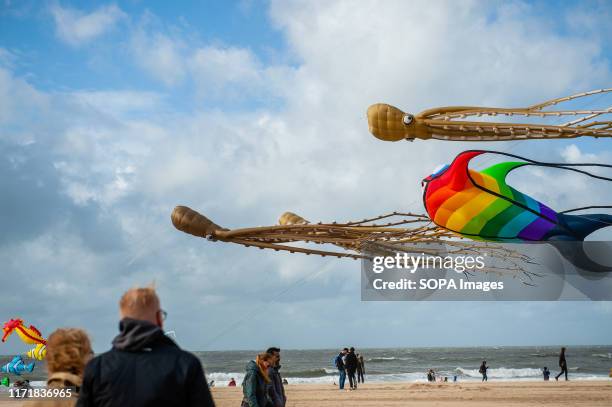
point(350, 364)
point(431, 375)
point(145, 367)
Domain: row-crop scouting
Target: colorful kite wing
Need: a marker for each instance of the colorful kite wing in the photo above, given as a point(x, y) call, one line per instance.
point(481, 205)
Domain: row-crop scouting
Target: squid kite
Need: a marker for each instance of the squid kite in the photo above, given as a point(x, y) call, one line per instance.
point(389, 123)
point(29, 335)
point(408, 233)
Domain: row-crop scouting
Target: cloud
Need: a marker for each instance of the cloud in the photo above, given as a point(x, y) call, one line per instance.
point(76, 28)
point(160, 55)
point(110, 164)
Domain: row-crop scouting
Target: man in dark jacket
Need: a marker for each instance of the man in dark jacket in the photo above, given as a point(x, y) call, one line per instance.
point(277, 390)
point(144, 366)
point(339, 362)
point(351, 367)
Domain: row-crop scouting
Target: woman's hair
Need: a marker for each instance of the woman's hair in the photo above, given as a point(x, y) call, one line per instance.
point(68, 350)
point(264, 357)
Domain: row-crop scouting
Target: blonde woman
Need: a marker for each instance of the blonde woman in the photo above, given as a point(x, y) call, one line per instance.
point(256, 382)
point(68, 351)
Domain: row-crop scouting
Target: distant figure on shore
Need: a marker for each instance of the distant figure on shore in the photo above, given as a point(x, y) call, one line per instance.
point(232, 383)
point(144, 367)
point(546, 373)
point(431, 376)
point(68, 351)
point(351, 367)
point(286, 382)
point(211, 383)
point(256, 382)
point(339, 362)
point(562, 365)
point(360, 368)
point(483, 371)
point(277, 390)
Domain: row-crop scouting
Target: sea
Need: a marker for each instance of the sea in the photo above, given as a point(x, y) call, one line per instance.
point(507, 363)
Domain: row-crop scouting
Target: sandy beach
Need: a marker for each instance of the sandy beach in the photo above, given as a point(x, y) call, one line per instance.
point(498, 394)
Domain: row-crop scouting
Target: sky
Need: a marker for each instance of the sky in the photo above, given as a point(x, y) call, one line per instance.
point(111, 114)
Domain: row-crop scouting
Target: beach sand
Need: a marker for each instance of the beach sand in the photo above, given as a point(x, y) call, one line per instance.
point(498, 394)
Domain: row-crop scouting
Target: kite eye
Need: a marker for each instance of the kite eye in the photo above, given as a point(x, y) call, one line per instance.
point(408, 118)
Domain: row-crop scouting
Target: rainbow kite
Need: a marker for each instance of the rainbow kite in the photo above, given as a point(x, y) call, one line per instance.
point(482, 206)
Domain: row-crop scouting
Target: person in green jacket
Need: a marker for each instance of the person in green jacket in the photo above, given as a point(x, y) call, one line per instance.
point(256, 382)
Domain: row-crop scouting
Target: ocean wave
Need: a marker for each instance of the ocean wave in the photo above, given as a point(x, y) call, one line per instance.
point(602, 355)
point(502, 373)
point(384, 359)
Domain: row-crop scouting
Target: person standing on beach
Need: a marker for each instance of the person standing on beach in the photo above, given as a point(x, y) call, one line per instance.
point(351, 367)
point(562, 365)
point(277, 390)
point(483, 371)
point(339, 362)
point(256, 382)
point(360, 368)
point(144, 367)
point(68, 351)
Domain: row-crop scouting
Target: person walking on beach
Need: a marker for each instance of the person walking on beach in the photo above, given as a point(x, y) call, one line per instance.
point(351, 368)
point(256, 382)
point(339, 362)
point(144, 367)
point(562, 365)
point(277, 390)
point(483, 371)
point(68, 351)
point(360, 368)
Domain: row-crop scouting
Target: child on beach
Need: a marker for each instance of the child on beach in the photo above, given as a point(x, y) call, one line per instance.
point(546, 373)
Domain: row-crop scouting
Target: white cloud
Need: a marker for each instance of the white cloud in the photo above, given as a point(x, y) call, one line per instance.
point(77, 28)
point(160, 55)
point(129, 157)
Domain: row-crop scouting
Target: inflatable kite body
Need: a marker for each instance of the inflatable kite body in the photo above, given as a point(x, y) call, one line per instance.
point(17, 367)
point(482, 206)
point(462, 123)
point(39, 352)
point(29, 335)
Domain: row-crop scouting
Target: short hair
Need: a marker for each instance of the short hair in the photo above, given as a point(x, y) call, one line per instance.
point(138, 302)
point(68, 350)
point(352, 349)
point(272, 350)
point(346, 349)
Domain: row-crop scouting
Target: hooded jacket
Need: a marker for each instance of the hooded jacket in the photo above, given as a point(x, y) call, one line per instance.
point(255, 388)
point(144, 368)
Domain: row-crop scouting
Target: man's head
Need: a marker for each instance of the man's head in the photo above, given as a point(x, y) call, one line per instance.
point(352, 350)
point(275, 353)
point(142, 304)
point(345, 350)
